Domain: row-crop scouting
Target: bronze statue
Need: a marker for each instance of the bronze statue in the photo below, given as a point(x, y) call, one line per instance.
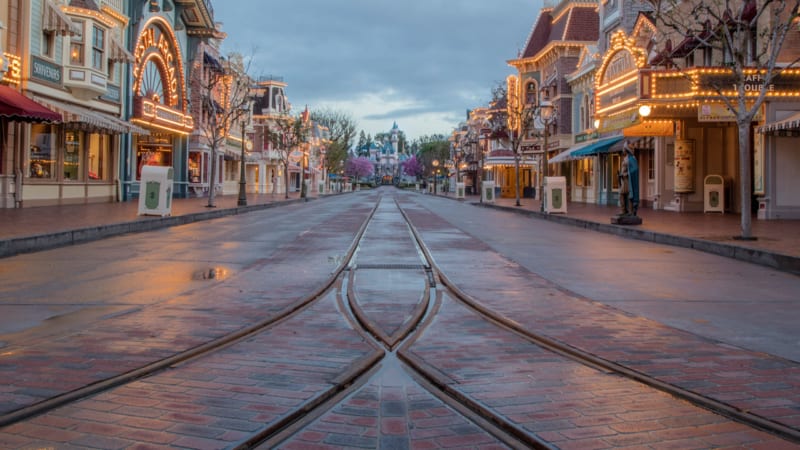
point(629, 182)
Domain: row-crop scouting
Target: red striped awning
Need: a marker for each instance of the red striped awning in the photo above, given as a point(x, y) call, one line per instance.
point(16, 107)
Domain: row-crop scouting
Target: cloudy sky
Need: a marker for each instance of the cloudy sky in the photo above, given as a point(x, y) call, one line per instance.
point(421, 63)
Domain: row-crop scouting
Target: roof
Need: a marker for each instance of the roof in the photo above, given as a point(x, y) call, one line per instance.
point(578, 22)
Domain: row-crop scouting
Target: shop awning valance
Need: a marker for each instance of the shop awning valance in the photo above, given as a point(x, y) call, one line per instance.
point(791, 123)
point(55, 20)
point(117, 52)
point(81, 118)
point(15, 106)
point(585, 149)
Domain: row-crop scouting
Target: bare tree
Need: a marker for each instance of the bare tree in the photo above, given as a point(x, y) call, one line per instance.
point(511, 118)
point(342, 129)
point(223, 88)
point(745, 39)
point(287, 135)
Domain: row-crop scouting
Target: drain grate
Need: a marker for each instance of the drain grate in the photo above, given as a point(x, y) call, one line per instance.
point(392, 266)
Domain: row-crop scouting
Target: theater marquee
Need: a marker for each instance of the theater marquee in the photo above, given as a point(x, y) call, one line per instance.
point(159, 86)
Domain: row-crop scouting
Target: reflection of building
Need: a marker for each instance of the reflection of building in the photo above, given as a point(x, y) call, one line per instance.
point(76, 65)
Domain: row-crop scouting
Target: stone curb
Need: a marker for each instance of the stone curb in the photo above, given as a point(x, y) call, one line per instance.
point(29, 244)
point(774, 260)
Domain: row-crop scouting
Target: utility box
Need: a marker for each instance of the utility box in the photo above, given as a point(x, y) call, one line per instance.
point(714, 194)
point(555, 195)
point(460, 188)
point(487, 191)
point(155, 193)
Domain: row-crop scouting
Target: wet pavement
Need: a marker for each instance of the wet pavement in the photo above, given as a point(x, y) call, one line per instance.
point(217, 401)
point(777, 242)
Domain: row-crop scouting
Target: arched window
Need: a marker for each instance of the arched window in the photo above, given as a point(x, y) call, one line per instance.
point(530, 92)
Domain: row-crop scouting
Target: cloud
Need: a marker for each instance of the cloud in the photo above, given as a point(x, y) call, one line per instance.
point(421, 63)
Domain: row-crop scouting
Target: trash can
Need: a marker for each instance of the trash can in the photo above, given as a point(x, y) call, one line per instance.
point(460, 190)
point(555, 195)
point(155, 193)
point(320, 187)
point(487, 191)
point(714, 194)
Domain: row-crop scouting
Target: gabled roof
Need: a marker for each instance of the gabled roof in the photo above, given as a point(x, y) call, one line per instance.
point(575, 23)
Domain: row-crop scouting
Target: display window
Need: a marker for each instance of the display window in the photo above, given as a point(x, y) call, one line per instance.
point(615, 166)
point(152, 155)
point(99, 164)
point(42, 152)
point(584, 170)
point(195, 167)
point(73, 155)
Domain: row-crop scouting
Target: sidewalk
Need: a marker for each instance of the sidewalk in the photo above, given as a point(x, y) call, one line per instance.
point(24, 230)
point(777, 245)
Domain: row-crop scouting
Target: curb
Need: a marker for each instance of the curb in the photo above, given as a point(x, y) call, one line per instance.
point(773, 260)
point(30, 244)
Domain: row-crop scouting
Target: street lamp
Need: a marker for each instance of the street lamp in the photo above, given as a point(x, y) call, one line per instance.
point(546, 113)
point(435, 164)
point(242, 180)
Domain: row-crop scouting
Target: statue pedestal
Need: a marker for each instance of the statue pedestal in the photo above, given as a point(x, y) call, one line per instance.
point(625, 219)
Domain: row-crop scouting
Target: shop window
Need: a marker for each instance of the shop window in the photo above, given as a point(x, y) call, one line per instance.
point(584, 172)
point(615, 164)
point(99, 157)
point(152, 155)
point(651, 166)
point(73, 149)
point(76, 45)
point(195, 165)
point(98, 47)
point(42, 152)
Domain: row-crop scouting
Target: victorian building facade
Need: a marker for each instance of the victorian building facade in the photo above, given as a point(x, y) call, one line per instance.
point(552, 52)
point(71, 59)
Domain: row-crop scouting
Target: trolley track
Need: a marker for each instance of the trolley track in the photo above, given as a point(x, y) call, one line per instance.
point(394, 346)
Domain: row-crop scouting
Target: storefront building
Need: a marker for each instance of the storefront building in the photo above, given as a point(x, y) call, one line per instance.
point(552, 52)
point(159, 93)
point(622, 117)
point(265, 169)
point(72, 62)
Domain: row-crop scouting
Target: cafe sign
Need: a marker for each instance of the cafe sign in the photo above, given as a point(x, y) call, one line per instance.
point(709, 83)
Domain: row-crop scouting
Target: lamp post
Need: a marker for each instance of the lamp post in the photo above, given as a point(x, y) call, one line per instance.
point(435, 164)
point(547, 117)
point(242, 181)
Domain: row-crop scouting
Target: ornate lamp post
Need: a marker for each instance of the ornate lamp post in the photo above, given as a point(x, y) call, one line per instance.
point(242, 180)
point(435, 164)
point(546, 113)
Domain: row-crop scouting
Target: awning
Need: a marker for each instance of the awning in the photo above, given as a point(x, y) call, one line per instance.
point(80, 118)
point(791, 123)
point(585, 149)
point(15, 106)
point(210, 60)
point(117, 52)
point(54, 20)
